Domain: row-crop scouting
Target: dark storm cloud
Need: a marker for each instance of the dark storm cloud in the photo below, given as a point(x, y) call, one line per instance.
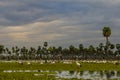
point(62, 21)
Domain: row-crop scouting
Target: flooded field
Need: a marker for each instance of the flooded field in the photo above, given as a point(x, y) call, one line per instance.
point(59, 71)
point(92, 75)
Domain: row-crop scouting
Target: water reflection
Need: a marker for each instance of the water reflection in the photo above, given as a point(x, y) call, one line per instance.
point(92, 75)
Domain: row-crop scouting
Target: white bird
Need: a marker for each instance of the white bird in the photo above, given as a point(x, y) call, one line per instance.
point(78, 64)
point(41, 62)
point(66, 62)
point(28, 63)
point(20, 62)
point(36, 74)
point(53, 62)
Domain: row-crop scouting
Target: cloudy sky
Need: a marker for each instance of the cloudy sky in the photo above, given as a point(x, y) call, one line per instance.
point(59, 22)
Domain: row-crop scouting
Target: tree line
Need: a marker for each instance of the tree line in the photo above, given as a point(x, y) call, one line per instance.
point(106, 51)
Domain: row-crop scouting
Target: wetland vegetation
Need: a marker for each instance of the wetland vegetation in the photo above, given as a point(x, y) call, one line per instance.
point(12, 70)
point(57, 63)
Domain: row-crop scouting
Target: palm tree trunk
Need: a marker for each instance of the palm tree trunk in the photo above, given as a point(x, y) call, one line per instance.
point(107, 43)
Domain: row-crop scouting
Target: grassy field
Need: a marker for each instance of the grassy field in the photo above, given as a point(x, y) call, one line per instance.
point(92, 66)
point(85, 66)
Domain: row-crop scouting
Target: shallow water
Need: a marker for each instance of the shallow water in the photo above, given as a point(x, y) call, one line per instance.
point(93, 75)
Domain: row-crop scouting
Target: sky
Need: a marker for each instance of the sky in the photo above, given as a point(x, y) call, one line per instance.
point(58, 22)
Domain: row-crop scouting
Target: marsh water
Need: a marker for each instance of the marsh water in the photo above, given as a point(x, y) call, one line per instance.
point(93, 75)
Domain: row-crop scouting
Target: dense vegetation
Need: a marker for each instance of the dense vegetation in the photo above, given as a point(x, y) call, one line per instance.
point(106, 51)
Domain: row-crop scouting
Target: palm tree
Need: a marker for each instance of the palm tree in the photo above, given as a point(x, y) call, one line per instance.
point(45, 47)
point(101, 46)
point(1, 49)
point(45, 50)
point(38, 52)
point(91, 50)
point(100, 50)
point(60, 52)
point(24, 53)
point(9, 53)
point(17, 52)
point(45, 44)
point(81, 47)
point(118, 49)
point(71, 51)
point(32, 53)
point(107, 33)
